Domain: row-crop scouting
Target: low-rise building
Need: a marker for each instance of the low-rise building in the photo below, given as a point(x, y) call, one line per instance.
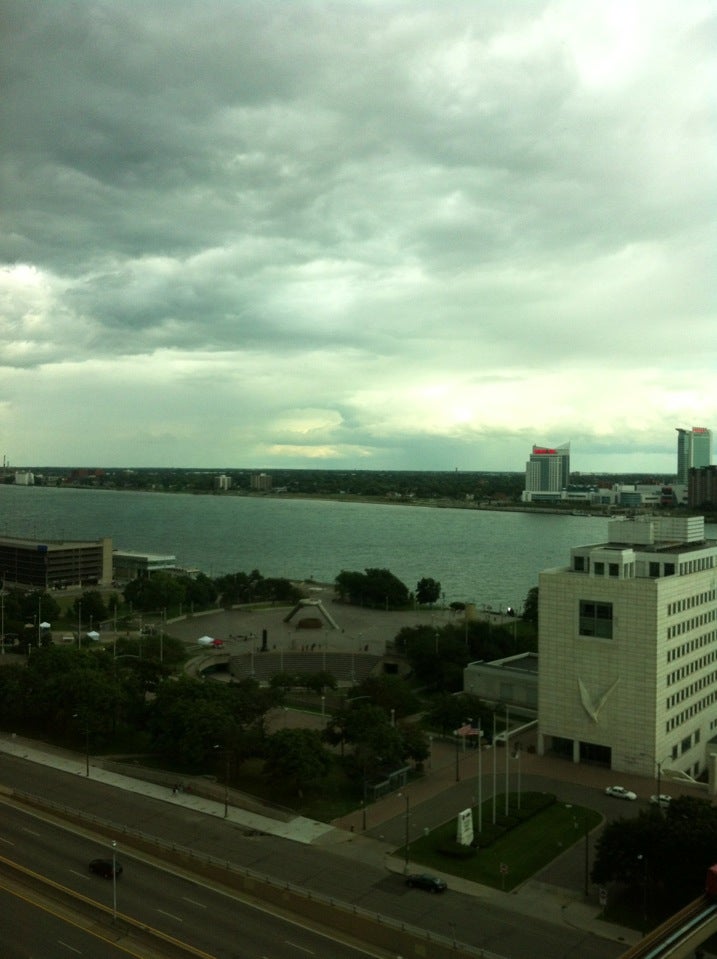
point(47, 564)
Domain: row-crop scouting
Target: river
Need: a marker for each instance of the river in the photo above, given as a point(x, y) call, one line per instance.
point(480, 556)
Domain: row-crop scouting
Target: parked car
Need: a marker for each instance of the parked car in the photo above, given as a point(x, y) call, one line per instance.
point(424, 881)
point(662, 800)
point(105, 867)
point(619, 792)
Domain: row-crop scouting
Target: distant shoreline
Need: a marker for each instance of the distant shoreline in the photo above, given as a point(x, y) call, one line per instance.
point(385, 501)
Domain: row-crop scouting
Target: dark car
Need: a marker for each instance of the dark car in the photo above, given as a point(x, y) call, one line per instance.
point(429, 883)
point(106, 868)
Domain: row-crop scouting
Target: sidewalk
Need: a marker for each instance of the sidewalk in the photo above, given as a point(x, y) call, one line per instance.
point(538, 898)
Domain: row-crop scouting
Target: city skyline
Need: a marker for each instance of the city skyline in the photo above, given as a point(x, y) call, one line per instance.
point(356, 235)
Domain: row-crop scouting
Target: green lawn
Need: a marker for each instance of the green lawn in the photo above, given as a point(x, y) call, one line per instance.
point(524, 849)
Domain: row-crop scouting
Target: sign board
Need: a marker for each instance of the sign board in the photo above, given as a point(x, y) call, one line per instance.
point(464, 827)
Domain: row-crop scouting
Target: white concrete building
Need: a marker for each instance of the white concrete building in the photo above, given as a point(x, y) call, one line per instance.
point(628, 649)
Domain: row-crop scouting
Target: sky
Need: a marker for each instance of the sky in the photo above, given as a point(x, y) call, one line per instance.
point(356, 234)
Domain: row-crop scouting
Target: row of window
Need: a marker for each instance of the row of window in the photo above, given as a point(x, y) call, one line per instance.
point(685, 649)
point(699, 599)
point(697, 565)
point(687, 743)
point(674, 721)
point(687, 625)
point(688, 691)
point(684, 671)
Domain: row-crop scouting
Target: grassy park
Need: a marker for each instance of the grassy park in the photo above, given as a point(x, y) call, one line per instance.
point(522, 847)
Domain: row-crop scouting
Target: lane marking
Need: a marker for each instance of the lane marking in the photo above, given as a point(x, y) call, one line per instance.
point(194, 902)
point(8, 842)
point(32, 832)
point(68, 946)
point(170, 915)
point(309, 952)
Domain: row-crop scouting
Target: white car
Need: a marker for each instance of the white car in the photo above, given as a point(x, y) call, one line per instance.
point(620, 793)
point(662, 800)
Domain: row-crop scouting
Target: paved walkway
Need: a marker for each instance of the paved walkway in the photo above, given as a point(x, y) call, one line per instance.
point(556, 894)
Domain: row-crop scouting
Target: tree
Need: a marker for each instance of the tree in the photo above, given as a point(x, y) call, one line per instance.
point(530, 607)
point(391, 693)
point(415, 743)
point(448, 712)
point(427, 591)
point(377, 588)
point(156, 592)
point(188, 718)
point(91, 607)
point(437, 657)
point(297, 755)
point(666, 856)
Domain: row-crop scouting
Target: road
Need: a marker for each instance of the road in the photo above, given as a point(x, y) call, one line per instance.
point(193, 912)
point(331, 871)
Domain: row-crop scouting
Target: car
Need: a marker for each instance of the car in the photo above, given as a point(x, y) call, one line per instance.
point(619, 792)
point(106, 868)
point(662, 800)
point(424, 881)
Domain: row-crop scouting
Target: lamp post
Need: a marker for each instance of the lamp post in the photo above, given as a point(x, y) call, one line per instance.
point(408, 837)
point(87, 743)
point(226, 778)
point(516, 755)
point(495, 772)
point(643, 860)
point(114, 881)
point(2, 614)
point(506, 741)
point(480, 777)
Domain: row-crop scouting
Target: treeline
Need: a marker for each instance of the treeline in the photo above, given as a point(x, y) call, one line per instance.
point(393, 484)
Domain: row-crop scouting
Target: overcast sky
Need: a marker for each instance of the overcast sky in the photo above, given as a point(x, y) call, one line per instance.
point(356, 234)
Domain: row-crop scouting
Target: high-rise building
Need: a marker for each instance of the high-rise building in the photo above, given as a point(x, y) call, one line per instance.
point(628, 649)
point(547, 473)
point(694, 448)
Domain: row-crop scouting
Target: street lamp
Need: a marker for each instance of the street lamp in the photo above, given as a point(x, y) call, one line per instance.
point(516, 755)
point(643, 860)
point(226, 779)
point(408, 837)
point(114, 881)
point(87, 743)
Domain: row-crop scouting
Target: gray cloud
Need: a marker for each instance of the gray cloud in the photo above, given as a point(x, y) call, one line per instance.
point(378, 231)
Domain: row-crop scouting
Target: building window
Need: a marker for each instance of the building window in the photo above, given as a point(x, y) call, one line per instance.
point(595, 619)
point(614, 569)
point(579, 564)
point(654, 569)
point(669, 569)
point(599, 569)
point(686, 744)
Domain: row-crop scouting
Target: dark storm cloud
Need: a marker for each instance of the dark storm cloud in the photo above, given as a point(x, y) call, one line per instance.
point(429, 223)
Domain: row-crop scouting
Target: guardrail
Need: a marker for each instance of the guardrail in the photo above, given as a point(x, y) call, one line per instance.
point(401, 938)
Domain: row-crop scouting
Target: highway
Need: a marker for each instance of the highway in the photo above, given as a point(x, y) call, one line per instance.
point(195, 913)
point(211, 922)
